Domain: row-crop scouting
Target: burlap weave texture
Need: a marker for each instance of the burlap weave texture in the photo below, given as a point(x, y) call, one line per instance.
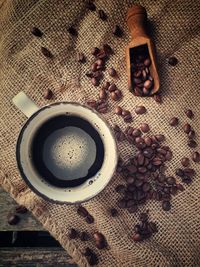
point(175, 30)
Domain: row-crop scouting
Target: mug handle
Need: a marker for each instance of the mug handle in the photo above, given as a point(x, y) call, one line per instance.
point(25, 104)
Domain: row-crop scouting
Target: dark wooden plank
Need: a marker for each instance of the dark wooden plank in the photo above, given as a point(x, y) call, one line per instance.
point(27, 223)
point(34, 257)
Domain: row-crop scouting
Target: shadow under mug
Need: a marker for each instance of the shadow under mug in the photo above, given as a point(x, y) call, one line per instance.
point(66, 152)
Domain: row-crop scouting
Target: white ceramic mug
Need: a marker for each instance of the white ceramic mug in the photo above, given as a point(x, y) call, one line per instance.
point(68, 153)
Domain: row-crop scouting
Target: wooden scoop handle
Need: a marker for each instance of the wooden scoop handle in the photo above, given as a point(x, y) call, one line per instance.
point(136, 20)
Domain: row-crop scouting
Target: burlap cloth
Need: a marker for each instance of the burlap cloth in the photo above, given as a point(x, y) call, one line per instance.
point(175, 28)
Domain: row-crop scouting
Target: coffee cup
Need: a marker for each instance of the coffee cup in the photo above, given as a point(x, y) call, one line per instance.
point(65, 152)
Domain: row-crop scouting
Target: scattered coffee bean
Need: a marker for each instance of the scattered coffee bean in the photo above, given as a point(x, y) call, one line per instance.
point(174, 121)
point(144, 128)
point(137, 237)
point(73, 233)
point(102, 15)
point(71, 30)
point(166, 205)
point(106, 86)
point(180, 187)
point(187, 128)
point(48, 94)
point(21, 209)
point(118, 110)
point(89, 219)
point(157, 98)
point(170, 180)
point(189, 113)
point(107, 49)
point(13, 219)
point(84, 236)
point(92, 103)
point(140, 110)
point(95, 51)
point(102, 94)
point(100, 240)
point(112, 72)
point(185, 162)
point(192, 143)
point(117, 31)
point(90, 5)
point(116, 95)
point(82, 211)
point(37, 32)
point(46, 52)
point(191, 134)
point(120, 189)
point(173, 61)
point(196, 157)
point(91, 257)
point(179, 172)
point(80, 57)
point(113, 212)
point(95, 81)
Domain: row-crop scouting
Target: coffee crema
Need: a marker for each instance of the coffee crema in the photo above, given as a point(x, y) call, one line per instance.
point(67, 151)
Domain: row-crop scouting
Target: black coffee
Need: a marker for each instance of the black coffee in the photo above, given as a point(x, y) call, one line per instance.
point(59, 128)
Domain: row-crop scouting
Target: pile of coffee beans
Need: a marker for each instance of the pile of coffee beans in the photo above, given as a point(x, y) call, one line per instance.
point(144, 229)
point(85, 214)
point(141, 80)
point(144, 173)
point(13, 218)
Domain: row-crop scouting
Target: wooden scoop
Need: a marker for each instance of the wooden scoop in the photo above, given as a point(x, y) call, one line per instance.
point(136, 20)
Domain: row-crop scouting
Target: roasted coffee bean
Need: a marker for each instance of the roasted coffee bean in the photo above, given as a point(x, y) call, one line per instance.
point(187, 128)
point(148, 84)
point(100, 244)
point(117, 31)
point(189, 113)
point(147, 140)
point(180, 187)
point(102, 15)
point(113, 212)
point(148, 152)
point(137, 237)
point(118, 110)
point(185, 162)
point(140, 110)
point(173, 61)
point(144, 128)
point(106, 86)
point(92, 103)
point(114, 96)
point(120, 189)
point(73, 233)
point(189, 171)
point(80, 57)
point(48, 94)
point(125, 112)
point(137, 91)
point(168, 156)
point(143, 217)
point(186, 179)
point(179, 172)
point(37, 32)
point(152, 227)
point(133, 209)
point(128, 118)
point(137, 74)
point(147, 62)
point(174, 121)
point(140, 159)
point(192, 143)
point(145, 91)
point(95, 51)
point(89, 219)
point(174, 190)
point(121, 203)
point(157, 98)
point(137, 81)
point(116, 128)
point(82, 211)
point(130, 179)
point(95, 81)
point(191, 134)
point(196, 156)
point(88, 252)
point(46, 52)
point(102, 94)
point(146, 187)
point(137, 228)
point(166, 205)
point(170, 180)
point(90, 5)
point(71, 30)
point(160, 137)
point(131, 188)
point(112, 88)
point(136, 133)
point(138, 183)
point(107, 49)
point(91, 257)
point(144, 75)
point(112, 72)
point(84, 236)
point(130, 203)
point(21, 209)
point(99, 237)
point(13, 219)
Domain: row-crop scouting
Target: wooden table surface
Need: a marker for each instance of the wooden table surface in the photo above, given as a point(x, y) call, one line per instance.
point(28, 256)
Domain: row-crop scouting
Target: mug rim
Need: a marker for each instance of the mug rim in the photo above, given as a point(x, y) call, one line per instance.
point(19, 165)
